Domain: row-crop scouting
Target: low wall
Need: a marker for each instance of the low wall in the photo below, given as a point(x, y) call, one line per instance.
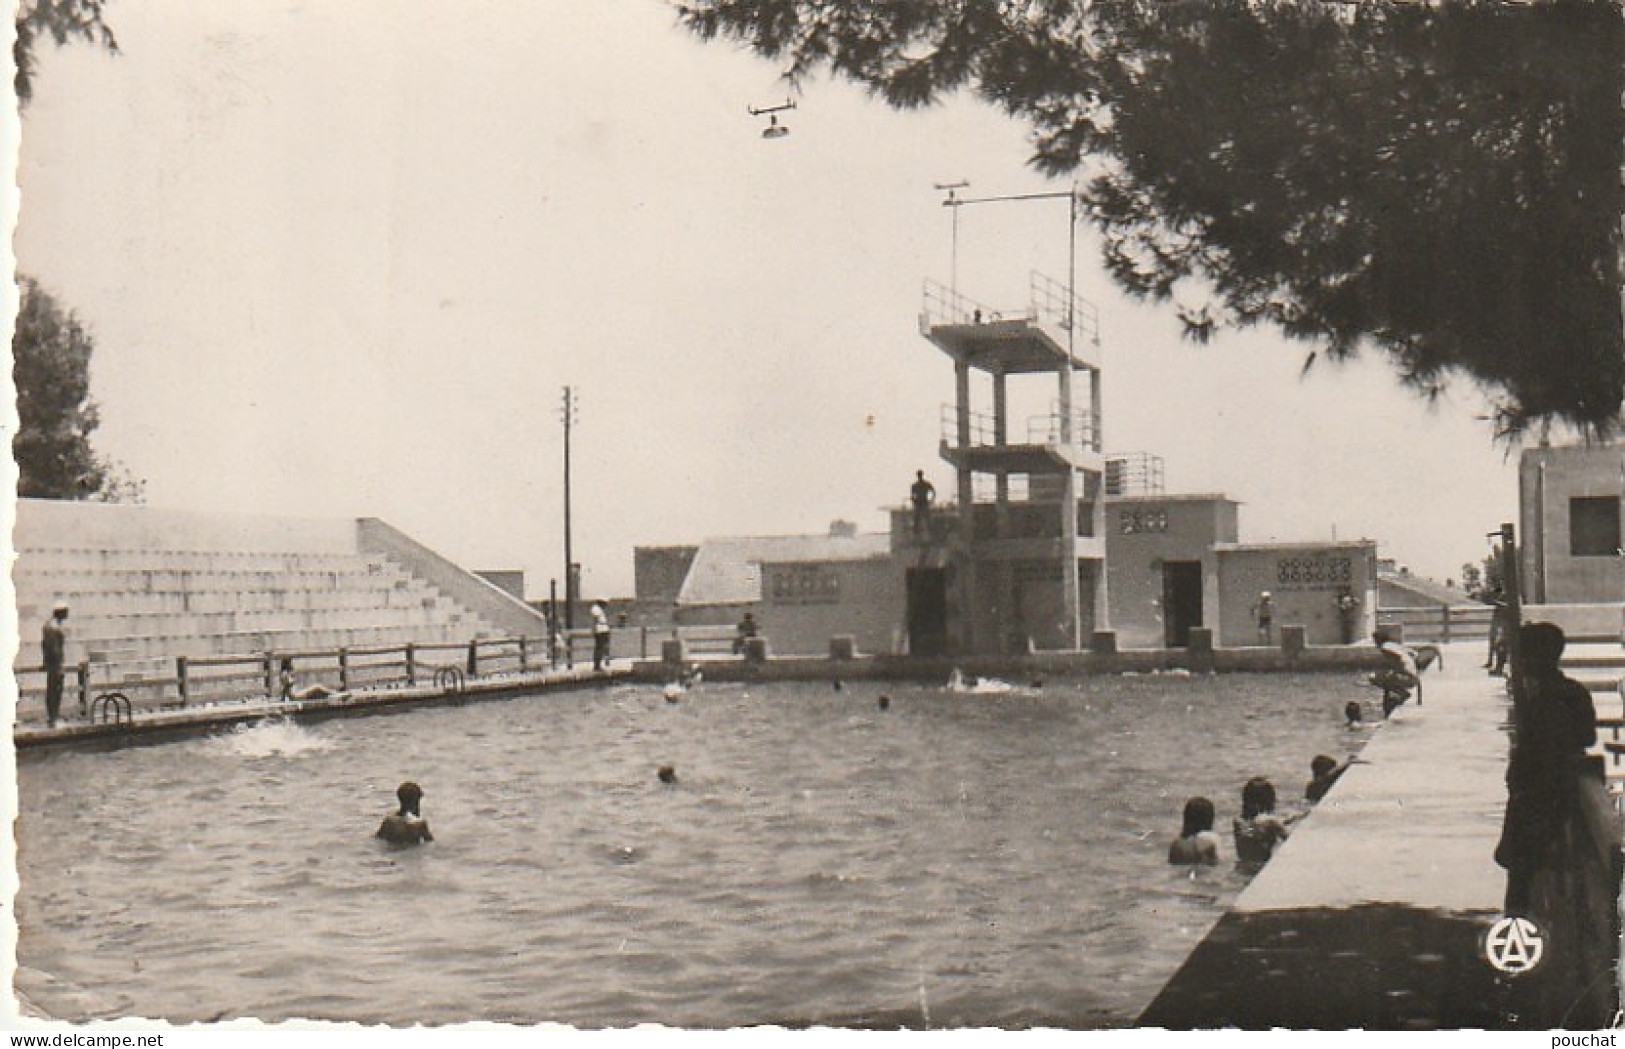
point(1593, 620)
point(491, 603)
point(1025, 669)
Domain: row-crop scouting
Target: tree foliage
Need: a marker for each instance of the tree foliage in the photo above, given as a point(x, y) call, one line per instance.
point(60, 21)
point(51, 353)
point(1437, 181)
point(50, 348)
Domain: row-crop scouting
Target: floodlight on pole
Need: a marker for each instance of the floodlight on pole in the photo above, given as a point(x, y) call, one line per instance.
point(774, 129)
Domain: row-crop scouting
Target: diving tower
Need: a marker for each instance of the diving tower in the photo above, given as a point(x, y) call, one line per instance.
point(1028, 546)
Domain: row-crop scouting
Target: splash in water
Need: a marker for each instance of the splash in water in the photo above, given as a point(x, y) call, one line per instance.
point(273, 737)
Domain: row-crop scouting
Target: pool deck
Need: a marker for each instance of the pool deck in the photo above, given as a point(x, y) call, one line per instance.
point(175, 721)
point(1371, 915)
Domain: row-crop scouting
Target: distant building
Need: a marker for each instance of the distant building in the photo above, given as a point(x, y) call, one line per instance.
point(1569, 524)
point(1399, 587)
point(658, 573)
point(801, 589)
point(1161, 564)
point(1306, 583)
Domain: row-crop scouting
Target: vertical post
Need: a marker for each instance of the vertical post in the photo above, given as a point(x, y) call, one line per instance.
point(524, 661)
point(473, 657)
point(411, 663)
point(1070, 597)
point(569, 558)
point(344, 669)
point(1514, 598)
point(269, 661)
point(968, 608)
point(643, 642)
point(1446, 639)
point(181, 689)
point(84, 688)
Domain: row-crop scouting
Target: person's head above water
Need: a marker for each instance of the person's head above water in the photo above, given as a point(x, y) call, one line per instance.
point(1322, 764)
point(1257, 797)
point(410, 795)
point(1351, 711)
point(1541, 646)
point(1198, 817)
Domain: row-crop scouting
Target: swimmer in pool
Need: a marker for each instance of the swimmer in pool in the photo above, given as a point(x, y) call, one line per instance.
point(1197, 843)
point(667, 773)
point(1323, 772)
point(407, 826)
point(884, 702)
point(1353, 717)
point(1258, 829)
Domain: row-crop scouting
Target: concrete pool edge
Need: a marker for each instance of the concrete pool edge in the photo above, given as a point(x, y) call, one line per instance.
point(1372, 915)
point(181, 722)
point(184, 722)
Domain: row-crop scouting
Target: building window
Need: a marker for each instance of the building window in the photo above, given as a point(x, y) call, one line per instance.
point(1594, 526)
point(805, 585)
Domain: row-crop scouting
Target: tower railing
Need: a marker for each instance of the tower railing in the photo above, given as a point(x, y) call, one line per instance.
point(1053, 301)
point(1133, 473)
point(1049, 301)
point(1046, 428)
point(1042, 429)
point(982, 427)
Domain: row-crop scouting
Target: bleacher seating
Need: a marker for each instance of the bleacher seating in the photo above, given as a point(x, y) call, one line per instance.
point(144, 586)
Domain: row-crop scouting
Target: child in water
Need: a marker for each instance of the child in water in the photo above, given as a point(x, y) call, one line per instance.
point(407, 826)
point(1258, 829)
point(1197, 843)
point(1323, 772)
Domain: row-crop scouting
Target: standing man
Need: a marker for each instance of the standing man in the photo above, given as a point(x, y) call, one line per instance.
point(1265, 613)
point(922, 494)
point(53, 640)
point(600, 636)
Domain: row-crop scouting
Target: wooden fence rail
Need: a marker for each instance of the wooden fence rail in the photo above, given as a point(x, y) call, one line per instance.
point(1440, 623)
point(213, 679)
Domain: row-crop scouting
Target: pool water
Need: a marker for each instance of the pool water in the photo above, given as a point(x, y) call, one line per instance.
point(956, 860)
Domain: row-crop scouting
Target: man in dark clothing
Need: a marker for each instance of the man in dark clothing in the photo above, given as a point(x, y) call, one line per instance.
point(922, 494)
point(52, 643)
point(1553, 724)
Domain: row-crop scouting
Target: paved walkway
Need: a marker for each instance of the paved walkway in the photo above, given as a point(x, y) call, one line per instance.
point(1371, 914)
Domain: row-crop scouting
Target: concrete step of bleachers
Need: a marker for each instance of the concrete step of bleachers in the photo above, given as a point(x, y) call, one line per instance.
point(88, 631)
point(159, 579)
point(90, 604)
point(56, 559)
point(87, 605)
point(145, 586)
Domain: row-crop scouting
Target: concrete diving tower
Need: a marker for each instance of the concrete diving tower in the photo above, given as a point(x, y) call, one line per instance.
point(1031, 552)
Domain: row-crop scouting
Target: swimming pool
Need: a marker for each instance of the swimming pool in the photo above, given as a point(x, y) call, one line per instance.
point(956, 860)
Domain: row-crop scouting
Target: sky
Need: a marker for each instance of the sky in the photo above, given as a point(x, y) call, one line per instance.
point(341, 259)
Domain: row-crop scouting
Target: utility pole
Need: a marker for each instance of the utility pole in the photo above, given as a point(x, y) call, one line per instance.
point(570, 409)
point(953, 201)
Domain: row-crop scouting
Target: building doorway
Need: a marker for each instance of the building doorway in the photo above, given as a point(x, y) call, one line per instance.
point(927, 611)
point(1181, 601)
